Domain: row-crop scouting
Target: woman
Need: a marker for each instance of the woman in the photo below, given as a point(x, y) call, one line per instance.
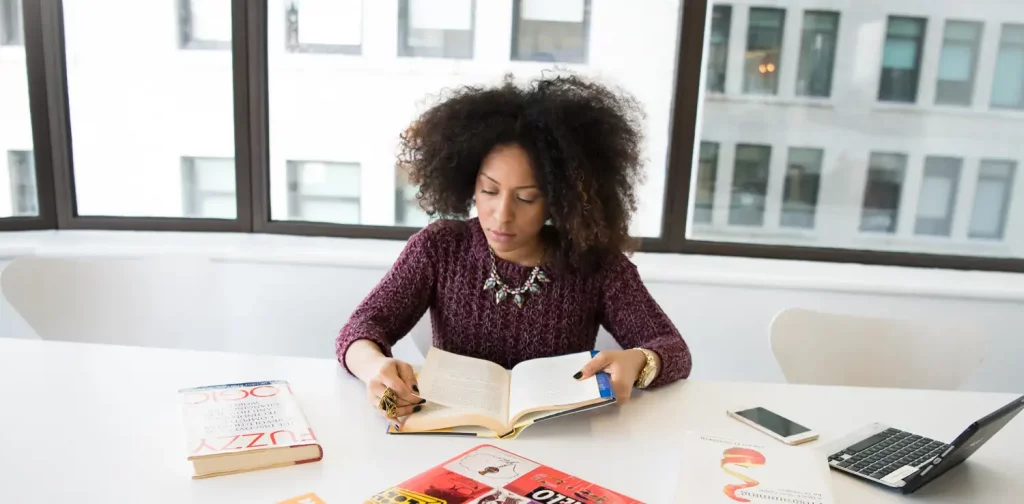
point(552, 170)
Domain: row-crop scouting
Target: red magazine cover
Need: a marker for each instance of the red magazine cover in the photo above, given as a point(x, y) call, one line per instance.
point(489, 475)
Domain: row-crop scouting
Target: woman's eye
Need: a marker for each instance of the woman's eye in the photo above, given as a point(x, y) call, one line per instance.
point(524, 200)
point(492, 193)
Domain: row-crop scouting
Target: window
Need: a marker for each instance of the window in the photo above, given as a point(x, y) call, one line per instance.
point(323, 192)
point(704, 199)
point(436, 28)
point(203, 24)
point(22, 175)
point(1008, 81)
point(718, 52)
point(136, 110)
point(958, 62)
point(817, 53)
point(550, 30)
point(901, 59)
point(750, 185)
point(11, 29)
point(325, 26)
point(800, 193)
point(882, 193)
point(764, 46)
point(992, 199)
point(937, 198)
point(352, 110)
point(208, 187)
point(407, 207)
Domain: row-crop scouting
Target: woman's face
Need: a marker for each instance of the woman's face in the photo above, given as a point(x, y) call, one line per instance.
point(509, 204)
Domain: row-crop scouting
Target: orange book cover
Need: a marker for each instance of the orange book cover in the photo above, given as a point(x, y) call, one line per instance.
point(489, 475)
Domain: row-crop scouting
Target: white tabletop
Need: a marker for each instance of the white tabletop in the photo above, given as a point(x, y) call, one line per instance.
point(98, 423)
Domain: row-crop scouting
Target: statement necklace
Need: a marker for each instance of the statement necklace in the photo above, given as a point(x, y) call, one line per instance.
point(531, 286)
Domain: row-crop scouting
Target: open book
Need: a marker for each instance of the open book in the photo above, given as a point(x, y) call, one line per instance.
point(478, 397)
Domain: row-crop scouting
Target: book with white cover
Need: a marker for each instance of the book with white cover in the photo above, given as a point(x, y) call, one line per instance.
point(716, 470)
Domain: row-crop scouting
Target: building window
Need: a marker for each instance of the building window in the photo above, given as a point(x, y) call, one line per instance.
point(707, 170)
point(817, 53)
point(937, 198)
point(407, 208)
point(325, 26)
point(550, 30)
point(957, 64)
point(880, 213)
point(901, 59)
point(323, 191)
point(436, 28)
point(718, 52)
point(992, 199)
point(22, 175)
point(204, 24)
point(1008, 81)
point(11, 29)
point(800, 193)
point(208, 187)
point(749, 185)
point(764, 45)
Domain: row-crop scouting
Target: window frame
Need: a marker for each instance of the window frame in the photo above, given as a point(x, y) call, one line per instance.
point(919, 57)
point(52, 144)
point(293, 44)
point(12, 33)
point(406, 51)
point(999, 49)
point(17, 161)
point(832, 58)
point(191, 194)
point(517, 19)
point(296, 198)
point(185, 39)
point(975, 48)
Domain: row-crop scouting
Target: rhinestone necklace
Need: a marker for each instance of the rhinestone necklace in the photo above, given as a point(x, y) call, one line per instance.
point(531, 286)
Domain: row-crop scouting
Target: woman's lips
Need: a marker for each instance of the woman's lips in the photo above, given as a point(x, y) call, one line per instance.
point(501, 237)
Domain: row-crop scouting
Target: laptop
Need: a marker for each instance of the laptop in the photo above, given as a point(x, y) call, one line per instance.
point(906, 461)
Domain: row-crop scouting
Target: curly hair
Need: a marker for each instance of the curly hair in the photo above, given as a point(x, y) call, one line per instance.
point(584, 143)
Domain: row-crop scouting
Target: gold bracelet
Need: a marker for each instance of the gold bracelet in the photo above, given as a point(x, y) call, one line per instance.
point(648, 371)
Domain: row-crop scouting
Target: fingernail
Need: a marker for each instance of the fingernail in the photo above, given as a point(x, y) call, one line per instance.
point(415, 389)
point(417, 409)
point(578, 375)
point(422, 401)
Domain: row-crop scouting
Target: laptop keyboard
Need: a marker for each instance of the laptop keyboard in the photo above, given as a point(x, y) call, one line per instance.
point(879, 455)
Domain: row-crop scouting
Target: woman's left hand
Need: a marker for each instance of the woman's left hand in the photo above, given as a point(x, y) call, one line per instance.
point(624, 366)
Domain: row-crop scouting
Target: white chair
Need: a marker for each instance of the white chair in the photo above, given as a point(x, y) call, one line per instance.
point(830, 349)
point(158, 301)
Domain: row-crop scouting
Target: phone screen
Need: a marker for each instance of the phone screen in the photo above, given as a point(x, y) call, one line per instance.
point(775, 423)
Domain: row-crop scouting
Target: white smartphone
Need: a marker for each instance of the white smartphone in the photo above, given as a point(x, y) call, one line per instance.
point(775, 425)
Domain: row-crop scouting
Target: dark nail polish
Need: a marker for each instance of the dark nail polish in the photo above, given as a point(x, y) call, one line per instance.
point(417, 409)
point(415, 389)
point(578, 375)
point(422, 401)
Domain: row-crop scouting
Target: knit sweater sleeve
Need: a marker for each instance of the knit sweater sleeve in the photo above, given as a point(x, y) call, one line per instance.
point(397, 303)
point(635, 320)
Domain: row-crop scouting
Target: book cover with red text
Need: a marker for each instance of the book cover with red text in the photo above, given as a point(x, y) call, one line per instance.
point(242, 427)
point(489, 475)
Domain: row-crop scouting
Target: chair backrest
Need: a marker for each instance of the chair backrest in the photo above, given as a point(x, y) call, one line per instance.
point(156, 301)
point(820, 348)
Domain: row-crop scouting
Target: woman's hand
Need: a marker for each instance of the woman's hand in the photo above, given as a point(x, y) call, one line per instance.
point(398, 376)
point(624, 366)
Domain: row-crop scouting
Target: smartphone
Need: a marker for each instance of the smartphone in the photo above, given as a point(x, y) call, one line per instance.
point(775, 425)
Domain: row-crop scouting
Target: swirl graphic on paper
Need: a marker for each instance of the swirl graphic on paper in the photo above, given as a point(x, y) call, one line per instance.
point(744, 457)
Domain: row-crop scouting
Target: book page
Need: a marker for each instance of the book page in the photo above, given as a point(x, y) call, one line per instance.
point(464, 383)
point(548, 383)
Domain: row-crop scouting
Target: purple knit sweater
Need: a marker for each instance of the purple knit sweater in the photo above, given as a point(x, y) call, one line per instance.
point(443, 268)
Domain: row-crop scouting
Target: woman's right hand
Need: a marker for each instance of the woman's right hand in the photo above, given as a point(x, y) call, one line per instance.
point(398, 376)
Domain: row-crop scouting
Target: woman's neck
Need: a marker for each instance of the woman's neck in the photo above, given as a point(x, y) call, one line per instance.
point(527, 255)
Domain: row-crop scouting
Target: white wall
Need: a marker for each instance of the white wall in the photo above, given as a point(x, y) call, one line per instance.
point(290, 295)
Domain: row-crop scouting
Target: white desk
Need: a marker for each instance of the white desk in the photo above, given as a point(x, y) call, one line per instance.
point(97, 423)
